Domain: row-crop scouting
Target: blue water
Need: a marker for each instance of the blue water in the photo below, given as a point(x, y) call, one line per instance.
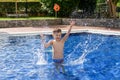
point(87, 57)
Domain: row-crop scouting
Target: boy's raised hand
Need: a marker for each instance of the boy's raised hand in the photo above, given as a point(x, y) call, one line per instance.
point(42, 36)
point(72, 23)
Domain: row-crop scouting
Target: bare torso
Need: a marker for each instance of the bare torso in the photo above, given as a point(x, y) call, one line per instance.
point(58, 49)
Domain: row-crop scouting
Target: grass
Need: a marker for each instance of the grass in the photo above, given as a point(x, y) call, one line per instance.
point(29, 18)
point(19, 0)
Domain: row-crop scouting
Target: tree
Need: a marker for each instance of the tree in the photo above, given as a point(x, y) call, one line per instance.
point(88, 6)
point(112, 7)
point(69, 6)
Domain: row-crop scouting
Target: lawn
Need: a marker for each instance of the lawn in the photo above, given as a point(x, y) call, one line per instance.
point(19, 0)
point(29, 18)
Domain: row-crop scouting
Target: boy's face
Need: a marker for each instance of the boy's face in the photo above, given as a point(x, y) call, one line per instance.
point(57, 36)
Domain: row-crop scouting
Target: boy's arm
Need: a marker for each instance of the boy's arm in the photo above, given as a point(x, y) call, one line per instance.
point(67, 34)
point(48, 44)
point(43, 41)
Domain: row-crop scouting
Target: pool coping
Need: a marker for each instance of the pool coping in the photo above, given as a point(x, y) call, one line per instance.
point(48, 30)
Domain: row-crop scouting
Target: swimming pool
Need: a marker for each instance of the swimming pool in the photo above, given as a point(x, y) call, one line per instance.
point(88, 56)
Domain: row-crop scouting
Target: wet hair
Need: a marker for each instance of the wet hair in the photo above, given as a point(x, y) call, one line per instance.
point(57, 30)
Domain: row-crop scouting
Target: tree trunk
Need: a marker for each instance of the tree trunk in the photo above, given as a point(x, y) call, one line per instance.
point(16, 7)
point(110, 7)
point(114, 10)
point(112, 4)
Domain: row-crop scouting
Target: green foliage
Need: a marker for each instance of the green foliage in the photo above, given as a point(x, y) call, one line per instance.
point(101, 1)
point(6, 8)
point(67, 6)
point(33, 8)
point(118, 3)
point(45, 7)
point(87, 5)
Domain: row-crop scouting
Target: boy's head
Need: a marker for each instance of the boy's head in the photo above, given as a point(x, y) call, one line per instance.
point(57, 34)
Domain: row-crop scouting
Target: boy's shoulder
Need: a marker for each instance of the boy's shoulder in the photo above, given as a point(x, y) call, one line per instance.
point(53, 41)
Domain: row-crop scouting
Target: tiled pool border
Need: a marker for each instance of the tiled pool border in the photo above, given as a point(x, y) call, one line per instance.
point(49, 32)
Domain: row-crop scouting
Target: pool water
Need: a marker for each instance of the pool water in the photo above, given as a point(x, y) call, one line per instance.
point(87, 57)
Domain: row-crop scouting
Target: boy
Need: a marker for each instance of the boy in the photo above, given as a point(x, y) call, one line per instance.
point(58, 45)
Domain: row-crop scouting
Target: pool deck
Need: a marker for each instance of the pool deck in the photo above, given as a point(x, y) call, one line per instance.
point(49, 29)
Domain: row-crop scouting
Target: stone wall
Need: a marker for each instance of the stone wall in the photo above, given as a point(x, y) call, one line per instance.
point(110, 23)
point(29, 23)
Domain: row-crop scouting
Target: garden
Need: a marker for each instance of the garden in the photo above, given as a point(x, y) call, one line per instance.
point(68, 8)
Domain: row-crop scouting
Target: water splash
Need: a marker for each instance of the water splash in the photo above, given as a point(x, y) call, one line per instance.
point(88, 46)
point(41, 59)
point(41, 54)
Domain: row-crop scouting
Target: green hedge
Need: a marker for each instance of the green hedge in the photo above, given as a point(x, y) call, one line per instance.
point(31, 8)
